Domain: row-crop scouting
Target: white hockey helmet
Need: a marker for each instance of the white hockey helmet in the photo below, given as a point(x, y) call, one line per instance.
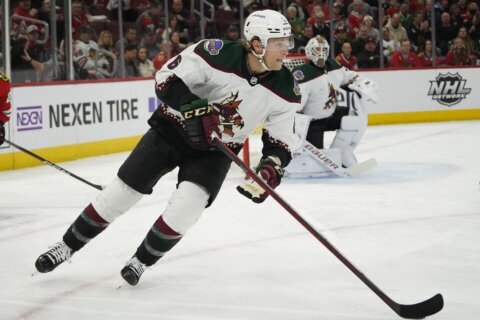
point(317, 49)
point(267, 24)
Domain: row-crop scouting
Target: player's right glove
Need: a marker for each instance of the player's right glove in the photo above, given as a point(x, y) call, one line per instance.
point(2, 133)
point(270, 171)
point(201, 123)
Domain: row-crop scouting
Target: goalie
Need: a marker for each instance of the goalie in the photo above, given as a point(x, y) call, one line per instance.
point(319, 81)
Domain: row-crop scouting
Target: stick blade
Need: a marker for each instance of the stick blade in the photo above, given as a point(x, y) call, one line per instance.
point(420, 310)
point(361, 167)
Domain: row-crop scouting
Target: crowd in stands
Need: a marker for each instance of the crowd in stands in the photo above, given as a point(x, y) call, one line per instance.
point(148, 41)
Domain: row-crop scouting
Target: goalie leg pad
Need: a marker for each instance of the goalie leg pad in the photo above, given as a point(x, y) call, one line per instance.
point(347, 138)
point(185, 206)
point(302, 123)
point(116, 199)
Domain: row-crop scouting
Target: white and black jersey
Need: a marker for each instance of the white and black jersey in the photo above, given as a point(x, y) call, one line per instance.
point(217, 70)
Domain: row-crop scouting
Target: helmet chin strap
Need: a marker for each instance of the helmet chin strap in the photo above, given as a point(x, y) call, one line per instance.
point(260, 58)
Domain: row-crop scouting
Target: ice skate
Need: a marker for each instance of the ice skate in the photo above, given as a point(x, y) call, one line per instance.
point(51, 259)
point(132, 271)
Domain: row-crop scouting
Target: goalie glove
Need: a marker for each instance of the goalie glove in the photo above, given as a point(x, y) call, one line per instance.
point(270, 171)
point(201, 123)
point(367, 88)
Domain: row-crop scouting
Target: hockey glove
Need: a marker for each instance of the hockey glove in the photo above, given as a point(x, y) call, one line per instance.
point(368, 89)
point(2, 133)
point(201, 123)
point(271, 172)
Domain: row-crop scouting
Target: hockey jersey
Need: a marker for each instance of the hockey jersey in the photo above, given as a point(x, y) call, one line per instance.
point(217, 70)
point(4, 98)
point(319, 87)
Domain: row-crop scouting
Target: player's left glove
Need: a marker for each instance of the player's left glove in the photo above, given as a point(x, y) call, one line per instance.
point(2, 133)
point(367, 88)
point(270, 171)
point(201, 123)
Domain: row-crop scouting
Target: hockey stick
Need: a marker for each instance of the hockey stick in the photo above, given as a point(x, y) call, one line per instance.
point(413, 311)
point(96, 186)
point(336, 168)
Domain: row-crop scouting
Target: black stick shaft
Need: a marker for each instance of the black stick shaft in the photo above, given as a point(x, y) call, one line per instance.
point(47, 162)
point(392, 304)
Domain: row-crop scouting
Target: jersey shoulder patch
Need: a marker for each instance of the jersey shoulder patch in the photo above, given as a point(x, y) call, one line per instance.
point(221, 54)
point(306, 72)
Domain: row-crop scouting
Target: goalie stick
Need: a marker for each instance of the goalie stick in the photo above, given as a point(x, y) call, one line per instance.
point(337, 168)
point(47, 162)
point(414, 311)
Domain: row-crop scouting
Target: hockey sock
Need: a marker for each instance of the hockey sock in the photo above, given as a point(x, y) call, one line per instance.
point(87, 226)
point(159, 240)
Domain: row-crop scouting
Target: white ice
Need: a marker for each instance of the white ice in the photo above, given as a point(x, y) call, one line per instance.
point(411, 225)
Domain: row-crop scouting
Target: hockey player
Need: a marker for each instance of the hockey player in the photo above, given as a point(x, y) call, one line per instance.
point(4, 104)
point(319, 82)
point(213, 88)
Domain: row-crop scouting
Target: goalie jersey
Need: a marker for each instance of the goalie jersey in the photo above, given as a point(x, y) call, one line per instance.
point(217, 70)
point(319, 87)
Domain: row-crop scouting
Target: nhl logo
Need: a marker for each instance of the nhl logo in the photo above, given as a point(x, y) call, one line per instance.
point(253, 81)
point(448, 89)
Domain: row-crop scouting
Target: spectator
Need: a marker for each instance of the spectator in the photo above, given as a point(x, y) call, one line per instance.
point(302, 40)
point(130, 39)
point(469, 44)
point(105, 41)
point(425, 57)
point(162, 57)
point(404, 57)
point(389, 45)
point(175, 45)
point(405, 16)
point(174, 25)
point(369, 58)
point(144, 65)
point(296, 23)
point(372, 31)
point(131, 9)
point(419, 31)
point(364, 8)
point(445, 32)
point(24, 9)
point(44, 15)
point(346, 58)
point(22, 71)
point(151, 41)
point(320, 27)
point(233, 33)
point(93, 65)
point(356, 15)
point(397, 32)
point(341, 36)
point(131, 70)
point(35, 49)
point(152, 16)
point(338, 14)
point(186, 21)
point(79, 17)
point(393, 8)
point(458, 56)
point(359, 43)
point(49, 70)
point(456, 19)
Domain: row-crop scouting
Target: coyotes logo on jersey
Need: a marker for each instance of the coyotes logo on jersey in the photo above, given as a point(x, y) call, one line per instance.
point(228, 111)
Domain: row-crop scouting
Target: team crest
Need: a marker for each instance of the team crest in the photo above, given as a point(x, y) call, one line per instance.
point(213, 46)
point(298, 75)
point(227, 111)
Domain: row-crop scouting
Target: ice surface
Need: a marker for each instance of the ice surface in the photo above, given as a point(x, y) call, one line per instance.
point(412, 225)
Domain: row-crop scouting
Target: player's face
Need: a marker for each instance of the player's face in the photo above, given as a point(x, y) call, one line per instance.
point(276, 52)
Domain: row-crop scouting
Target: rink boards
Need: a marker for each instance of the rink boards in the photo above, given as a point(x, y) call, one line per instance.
point(67, 121)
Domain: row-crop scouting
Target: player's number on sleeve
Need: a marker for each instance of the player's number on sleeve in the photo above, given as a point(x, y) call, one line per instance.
point(175, 62)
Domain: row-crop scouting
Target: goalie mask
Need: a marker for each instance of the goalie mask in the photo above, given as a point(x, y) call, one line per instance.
point(317, 50)
point(265, 25)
